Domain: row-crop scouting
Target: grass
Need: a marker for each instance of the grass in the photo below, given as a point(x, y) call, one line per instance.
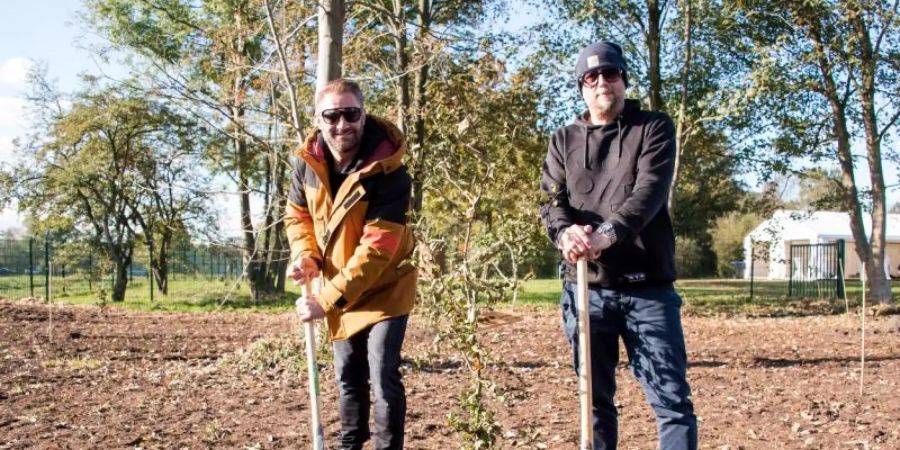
point(74, 364)
point(722, 296)
point(186, 294)
point(202, 294)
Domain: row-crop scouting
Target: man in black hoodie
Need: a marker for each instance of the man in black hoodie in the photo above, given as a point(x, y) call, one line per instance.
point(606, 179)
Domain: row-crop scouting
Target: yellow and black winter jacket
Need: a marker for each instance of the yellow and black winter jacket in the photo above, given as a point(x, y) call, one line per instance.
point(358, 234)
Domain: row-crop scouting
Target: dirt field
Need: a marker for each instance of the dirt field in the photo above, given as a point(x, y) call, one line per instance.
point(107, 378)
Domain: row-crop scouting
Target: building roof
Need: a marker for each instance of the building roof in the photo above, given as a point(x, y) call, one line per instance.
point(792, 225)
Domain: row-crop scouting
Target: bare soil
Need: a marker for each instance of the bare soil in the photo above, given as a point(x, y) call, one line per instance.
point(75, 377)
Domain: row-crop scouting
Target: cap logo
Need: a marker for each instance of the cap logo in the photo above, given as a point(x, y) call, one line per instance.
point(593, 61)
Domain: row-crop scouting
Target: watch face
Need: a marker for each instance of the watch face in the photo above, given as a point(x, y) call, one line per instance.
point(610, 231)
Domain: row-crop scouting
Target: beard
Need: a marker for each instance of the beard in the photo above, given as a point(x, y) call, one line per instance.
point(609, 104)
point(343, 143)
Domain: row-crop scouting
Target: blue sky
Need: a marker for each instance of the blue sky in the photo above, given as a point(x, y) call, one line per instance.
point(35, 30)
point(48, 31)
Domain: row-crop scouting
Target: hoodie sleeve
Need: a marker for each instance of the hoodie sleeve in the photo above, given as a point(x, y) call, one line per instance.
point(383, 233)
point(655, 168)
point(298, 222)
point(555, 210)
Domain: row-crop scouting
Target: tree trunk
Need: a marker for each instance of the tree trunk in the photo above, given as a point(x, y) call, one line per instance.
point(852, 201)
point(121, 260)
point(680, 129)
point(251, 255)
point(402, 61)
point(331, 41)
point(879, 281)
point(418, 148)
point(654, 46)
point(159, 266)
point(120, 282)
point(280, 250)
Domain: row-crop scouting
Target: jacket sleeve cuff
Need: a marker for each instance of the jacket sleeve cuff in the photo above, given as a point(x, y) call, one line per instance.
point(622, 232)
point(331, 298)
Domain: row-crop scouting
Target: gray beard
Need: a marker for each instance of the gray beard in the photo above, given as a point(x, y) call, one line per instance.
point(341, 147)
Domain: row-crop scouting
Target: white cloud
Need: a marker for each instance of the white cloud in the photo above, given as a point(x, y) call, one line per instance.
point(12, 113)
point(11, 220)
point(14, 71)
point(7, 151)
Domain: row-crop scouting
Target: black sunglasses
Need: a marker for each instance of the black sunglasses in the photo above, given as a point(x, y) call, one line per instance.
point(610, 75)
point(332, 116)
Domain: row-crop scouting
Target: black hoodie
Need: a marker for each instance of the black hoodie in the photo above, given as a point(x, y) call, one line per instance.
point(618, 173)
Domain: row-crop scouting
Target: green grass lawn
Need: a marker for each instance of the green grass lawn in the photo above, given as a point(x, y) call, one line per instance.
point(723, 296)
point(194, 293)
point(701, 297)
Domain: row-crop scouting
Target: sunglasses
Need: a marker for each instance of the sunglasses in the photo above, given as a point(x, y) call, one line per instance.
point(332, 116)
point(610, 75)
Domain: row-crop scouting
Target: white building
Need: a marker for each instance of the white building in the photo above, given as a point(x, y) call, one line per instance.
point(773, 238)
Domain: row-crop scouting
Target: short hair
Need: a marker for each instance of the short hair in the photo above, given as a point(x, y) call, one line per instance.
point(340, 86)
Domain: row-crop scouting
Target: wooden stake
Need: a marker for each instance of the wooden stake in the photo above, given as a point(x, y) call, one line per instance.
point(862, 353)
point(315, 401)
point(50, 301)
point(585, 395)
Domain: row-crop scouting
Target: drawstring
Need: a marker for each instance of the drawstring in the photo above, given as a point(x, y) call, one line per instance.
point(619, 133)
point(587, 163)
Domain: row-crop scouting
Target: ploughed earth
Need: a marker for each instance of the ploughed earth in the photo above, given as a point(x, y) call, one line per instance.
point(78, 377)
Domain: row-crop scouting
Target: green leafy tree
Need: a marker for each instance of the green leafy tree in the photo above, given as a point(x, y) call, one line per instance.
point(728, 239)
point(478, 220)
point(825, 73)
point(96, 167)
point(230, 63)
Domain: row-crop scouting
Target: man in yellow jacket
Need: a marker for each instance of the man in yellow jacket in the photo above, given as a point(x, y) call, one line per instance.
point(346, 220)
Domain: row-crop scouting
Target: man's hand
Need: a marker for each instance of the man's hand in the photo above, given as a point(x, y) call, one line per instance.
point(581, 241)
point(308, 308)
point(304, 270)
point(576, 243)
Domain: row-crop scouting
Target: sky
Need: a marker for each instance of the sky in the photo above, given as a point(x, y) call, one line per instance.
point(35, 31)
point(49, 32)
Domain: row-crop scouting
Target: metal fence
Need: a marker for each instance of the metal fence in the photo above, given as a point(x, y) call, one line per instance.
point(39, 267)
point(816, 270)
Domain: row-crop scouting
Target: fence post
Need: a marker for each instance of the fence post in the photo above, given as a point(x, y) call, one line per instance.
point(840, 275)
point(31, 265)
point(791, 271)
point(90, 271)
point(752, 266)
point(47, 267)
point(150, 272)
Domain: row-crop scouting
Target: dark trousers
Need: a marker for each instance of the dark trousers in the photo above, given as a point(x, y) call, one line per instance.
point(372, 356)
point(649, 322)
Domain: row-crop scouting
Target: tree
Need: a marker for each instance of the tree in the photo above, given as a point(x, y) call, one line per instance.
point(174, 203)
point(728, 239)
point(474, 229)
point(839, 58)
point(216, 58)
point(98, 166)
point(404, 38)
point(331, 41)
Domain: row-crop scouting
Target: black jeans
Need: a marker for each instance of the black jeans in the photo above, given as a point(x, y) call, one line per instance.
point(372, 356)
point(649, 322)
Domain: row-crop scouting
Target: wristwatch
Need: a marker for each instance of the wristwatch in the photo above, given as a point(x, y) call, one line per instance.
point(608, 230)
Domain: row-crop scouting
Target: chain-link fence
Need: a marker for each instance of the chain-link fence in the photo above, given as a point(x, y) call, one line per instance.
point(44, 268)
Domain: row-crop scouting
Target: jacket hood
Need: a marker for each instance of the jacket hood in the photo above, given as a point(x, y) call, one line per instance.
point(387, 155)
point(629, 114)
